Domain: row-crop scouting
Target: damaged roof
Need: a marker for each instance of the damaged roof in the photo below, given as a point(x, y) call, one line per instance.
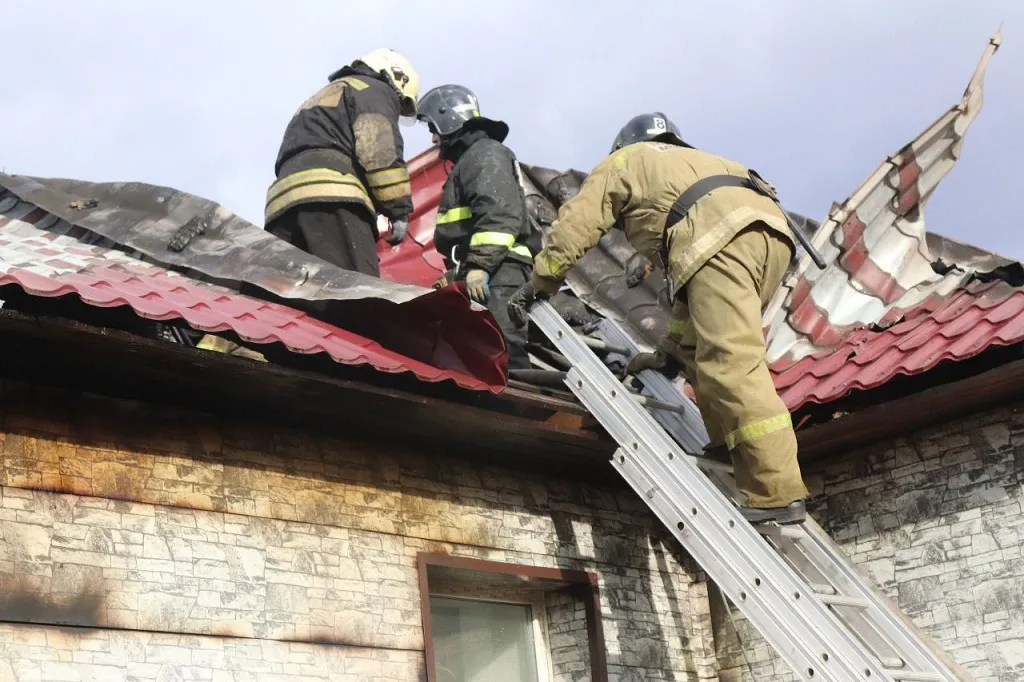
point(107, 243)
point(893, 299)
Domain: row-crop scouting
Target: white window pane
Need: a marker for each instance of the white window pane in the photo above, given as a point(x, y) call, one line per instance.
point(479, 641)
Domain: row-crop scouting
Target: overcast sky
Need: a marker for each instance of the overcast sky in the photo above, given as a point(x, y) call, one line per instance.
point(195, 94)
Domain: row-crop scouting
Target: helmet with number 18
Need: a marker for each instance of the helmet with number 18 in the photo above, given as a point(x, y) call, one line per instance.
point(653, 127)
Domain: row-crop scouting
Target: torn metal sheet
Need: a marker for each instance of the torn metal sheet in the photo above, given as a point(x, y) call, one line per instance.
point(437, 335)
point(876, 245)
point(182, 230)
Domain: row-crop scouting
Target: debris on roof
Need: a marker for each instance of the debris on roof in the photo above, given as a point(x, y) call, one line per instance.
point(886, 276)
point(179, 229)
point(48, 251)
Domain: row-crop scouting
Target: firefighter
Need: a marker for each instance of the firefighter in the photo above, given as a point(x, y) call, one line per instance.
point(727, 245)
point(341, 163)
point(482, 228)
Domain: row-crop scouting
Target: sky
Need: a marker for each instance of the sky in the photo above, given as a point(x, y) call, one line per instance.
point(195, 94)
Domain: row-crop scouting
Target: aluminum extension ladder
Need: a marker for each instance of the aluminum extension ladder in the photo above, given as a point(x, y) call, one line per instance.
point(791, 582)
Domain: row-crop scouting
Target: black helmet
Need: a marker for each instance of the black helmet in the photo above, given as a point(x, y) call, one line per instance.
point(446, 109)
point(646, 127)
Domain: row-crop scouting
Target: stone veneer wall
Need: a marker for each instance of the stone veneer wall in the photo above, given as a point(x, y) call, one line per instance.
point(157, 545)
point(935, 519)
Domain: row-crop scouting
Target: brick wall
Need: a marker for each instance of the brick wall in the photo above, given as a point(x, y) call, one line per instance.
point(162, 545)
point(935, 519)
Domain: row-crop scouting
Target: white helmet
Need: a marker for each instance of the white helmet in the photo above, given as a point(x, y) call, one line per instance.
point(399, 71)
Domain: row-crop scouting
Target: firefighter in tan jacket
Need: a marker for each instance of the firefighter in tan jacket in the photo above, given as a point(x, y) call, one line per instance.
point(727, 247)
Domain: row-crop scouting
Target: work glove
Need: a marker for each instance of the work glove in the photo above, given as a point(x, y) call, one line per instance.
point(637, 268)
point(520, 302)
point(399, 228)
point(476, 283)
point(659, 361)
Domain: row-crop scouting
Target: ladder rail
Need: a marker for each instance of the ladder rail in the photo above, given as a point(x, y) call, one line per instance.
point(740, 576)
point(799, 622)
point(913, 646)
point(916, 648)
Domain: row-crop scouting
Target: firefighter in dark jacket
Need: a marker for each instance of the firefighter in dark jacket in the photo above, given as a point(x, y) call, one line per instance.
point(482, 228)
point(341, 163)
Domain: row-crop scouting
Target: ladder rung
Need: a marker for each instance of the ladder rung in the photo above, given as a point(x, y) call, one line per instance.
point(598, 344)
point(652, 404)
point(843, 600)
point(793, 532)
point(913, 676)
point(828, 595)
point(711, 465)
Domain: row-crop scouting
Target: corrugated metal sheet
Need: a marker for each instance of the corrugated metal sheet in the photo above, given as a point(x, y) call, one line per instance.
point(415, 260)
point(45, 256)
point(875, 242)
point(952, 327)
point(883, 268)
point(223, 247)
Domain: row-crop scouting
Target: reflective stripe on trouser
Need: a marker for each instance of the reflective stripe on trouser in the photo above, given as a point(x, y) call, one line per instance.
point(315, 184)
point(716, 335)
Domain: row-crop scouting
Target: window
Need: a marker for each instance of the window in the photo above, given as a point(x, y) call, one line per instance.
point(476, 641)
point(484, 620)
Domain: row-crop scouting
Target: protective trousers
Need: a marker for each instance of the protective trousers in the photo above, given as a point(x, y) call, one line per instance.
point(505, 281)
point(340, 233)
point(715, 333)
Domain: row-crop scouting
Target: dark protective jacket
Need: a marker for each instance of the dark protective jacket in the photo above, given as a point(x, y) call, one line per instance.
point(343, 144)
point(482, 218)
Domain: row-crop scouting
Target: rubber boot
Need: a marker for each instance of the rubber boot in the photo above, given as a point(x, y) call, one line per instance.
point(794, 512)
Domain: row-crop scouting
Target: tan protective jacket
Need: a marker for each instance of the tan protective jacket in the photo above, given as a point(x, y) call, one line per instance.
point(636, 187)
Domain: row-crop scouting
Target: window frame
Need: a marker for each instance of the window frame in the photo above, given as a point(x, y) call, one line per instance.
point(582, 584)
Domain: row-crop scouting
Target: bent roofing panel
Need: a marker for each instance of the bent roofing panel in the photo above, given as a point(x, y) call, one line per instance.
point(415, 260)
point(876, 244)
point(213, 243)
point(880, 272)
point(46, 256)
point(968, 321)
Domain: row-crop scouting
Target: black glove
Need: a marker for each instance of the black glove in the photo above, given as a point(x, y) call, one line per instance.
point(658, 360)
point(520, 302)
point(637, 268)
point(399, 228)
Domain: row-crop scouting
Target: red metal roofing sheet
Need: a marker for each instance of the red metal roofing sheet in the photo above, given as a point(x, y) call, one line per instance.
point(415, 260)
point(49, 263)
point(967, 322)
